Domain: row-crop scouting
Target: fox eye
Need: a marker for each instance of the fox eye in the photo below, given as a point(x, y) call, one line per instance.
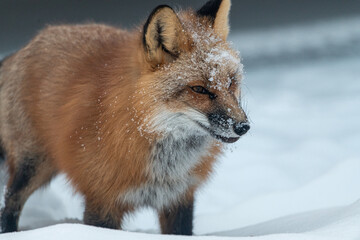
point(200, 89)
point(232, 80)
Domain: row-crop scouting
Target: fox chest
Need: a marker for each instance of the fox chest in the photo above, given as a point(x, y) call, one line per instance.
point(169, 172)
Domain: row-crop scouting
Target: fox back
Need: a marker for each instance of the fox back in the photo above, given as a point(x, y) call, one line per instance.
point(133, 118)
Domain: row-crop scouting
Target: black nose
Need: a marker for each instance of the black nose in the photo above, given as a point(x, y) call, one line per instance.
point(241, 128)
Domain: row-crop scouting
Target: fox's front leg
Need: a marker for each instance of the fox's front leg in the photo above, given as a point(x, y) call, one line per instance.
point(102, 215)
point(178, 220)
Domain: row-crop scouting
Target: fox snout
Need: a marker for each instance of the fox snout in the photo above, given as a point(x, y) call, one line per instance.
point(227, 128)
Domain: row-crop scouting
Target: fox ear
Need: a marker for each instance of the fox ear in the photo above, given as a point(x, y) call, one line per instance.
point(218, 13)
point(162, 36)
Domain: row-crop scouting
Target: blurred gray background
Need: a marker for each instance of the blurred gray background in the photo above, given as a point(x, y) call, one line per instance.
point(21, 19)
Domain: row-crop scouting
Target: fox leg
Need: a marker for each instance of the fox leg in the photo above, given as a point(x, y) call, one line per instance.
point(100, 215)
point(25, 177)
point(178, 220)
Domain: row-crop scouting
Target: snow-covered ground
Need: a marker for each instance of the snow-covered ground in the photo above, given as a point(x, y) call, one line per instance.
point(295, 175)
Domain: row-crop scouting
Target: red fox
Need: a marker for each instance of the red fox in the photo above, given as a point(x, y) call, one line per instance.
point(132, 119)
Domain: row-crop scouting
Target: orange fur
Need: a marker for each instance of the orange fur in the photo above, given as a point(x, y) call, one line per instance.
point(88, 99)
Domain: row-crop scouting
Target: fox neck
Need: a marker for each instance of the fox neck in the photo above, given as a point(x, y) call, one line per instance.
point(169, 172)
point(176, 155)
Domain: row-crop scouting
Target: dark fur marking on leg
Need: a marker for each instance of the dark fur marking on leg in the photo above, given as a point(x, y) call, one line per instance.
point(178, 221)
point(22, 176)
point(2, 155)
point(9, 220)
point(95, 217)
point(13, 203)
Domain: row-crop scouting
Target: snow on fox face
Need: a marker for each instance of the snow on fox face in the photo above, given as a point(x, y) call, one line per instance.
point(194, 76)
point(201, 89)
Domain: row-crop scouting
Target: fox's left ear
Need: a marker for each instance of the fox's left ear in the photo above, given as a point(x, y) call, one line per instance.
point(218, 13)
point(163, 36)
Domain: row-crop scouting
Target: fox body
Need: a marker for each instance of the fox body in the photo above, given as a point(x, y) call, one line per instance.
point(132, 118)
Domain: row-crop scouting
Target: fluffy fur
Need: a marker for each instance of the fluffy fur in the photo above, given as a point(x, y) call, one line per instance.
point(116, 112)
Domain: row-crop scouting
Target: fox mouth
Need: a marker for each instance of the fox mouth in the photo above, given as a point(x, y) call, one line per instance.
point(226, 139)
point(217, 136)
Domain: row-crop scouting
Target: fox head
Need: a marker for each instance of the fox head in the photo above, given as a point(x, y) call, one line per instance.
point(193, 76)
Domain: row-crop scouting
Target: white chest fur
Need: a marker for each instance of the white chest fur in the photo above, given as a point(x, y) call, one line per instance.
point(169, 177)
